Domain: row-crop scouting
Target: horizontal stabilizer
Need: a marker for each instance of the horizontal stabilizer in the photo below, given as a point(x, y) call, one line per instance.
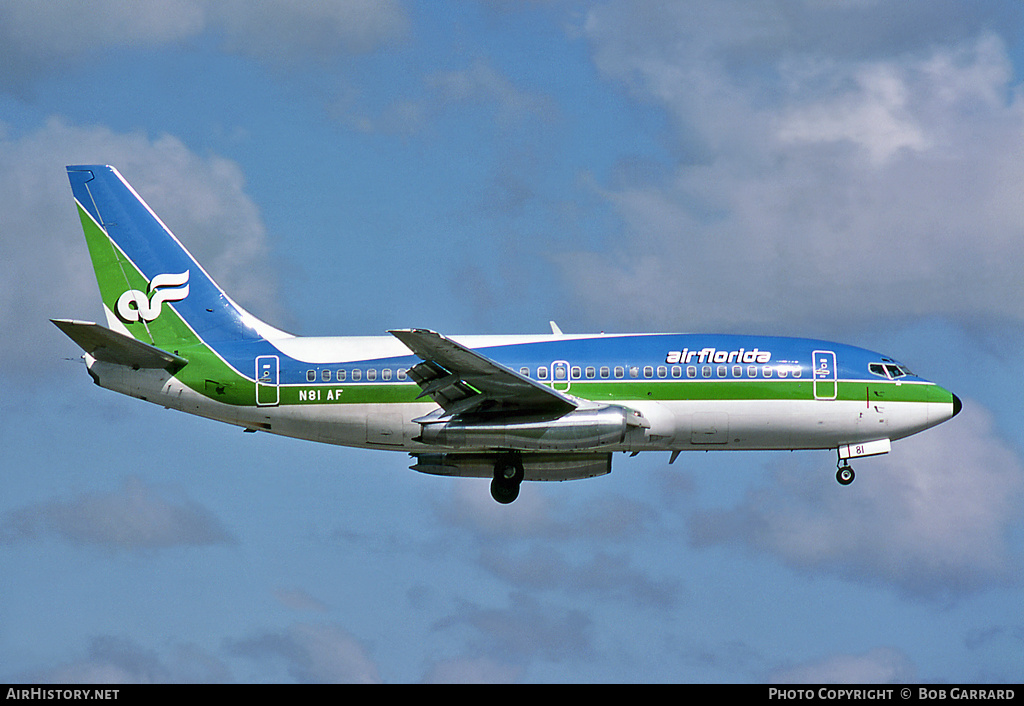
point(113, 347)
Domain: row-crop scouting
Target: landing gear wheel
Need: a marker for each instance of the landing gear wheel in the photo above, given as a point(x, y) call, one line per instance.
point(503, 491)
point(845, 474)
point(508, 474)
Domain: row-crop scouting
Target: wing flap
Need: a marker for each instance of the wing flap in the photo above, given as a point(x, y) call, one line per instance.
point(460, 379)
point(113, 347)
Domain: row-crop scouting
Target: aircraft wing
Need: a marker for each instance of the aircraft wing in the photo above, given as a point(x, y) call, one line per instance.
point(460, 379)
point(112, 347)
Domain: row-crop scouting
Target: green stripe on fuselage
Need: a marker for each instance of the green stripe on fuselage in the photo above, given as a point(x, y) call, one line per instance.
point(678, 390)
point(625, 391)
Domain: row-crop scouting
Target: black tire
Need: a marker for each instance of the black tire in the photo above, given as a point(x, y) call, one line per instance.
point(508, 474)
point(503, 491)
point(845, 475)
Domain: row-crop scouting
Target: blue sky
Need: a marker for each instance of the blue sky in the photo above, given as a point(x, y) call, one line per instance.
point(844, 170)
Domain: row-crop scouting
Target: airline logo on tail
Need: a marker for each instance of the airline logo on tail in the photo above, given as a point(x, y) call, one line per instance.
point(134, 305)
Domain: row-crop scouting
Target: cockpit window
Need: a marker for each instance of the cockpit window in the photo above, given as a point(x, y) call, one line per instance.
point(894, 371)
point(889, 370)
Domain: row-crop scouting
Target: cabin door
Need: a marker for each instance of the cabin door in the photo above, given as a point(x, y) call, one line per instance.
point(268, 373)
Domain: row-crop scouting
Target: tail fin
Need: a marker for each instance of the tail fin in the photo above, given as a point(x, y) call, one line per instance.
point(152, 288)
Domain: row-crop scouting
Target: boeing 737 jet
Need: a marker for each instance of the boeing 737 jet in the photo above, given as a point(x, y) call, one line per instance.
point(511, 408)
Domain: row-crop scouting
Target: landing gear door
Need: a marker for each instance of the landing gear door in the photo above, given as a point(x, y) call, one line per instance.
point(826, 386)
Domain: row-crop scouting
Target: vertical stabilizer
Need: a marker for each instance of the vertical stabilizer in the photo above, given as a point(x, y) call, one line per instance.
point(152, 288)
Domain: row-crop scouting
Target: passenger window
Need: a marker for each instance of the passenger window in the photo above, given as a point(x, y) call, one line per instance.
point(385, 374)
point(782, 372)
point(751, 371)
point(706, 371)
point(325, 375)
point(357, 375)
point(767, 371)
point(591, 373)
point(525, 372)
point(620, 372)
point(648, 371)
point(737, 371)
point(310, 376)
point(722, 371)
point(662, 371)
point(691, 371)
point(542, 373)
point(401, 373)
point(340, 376)
point(677, 371)
point(634, 371)
point(604, 371)
point(575, 372)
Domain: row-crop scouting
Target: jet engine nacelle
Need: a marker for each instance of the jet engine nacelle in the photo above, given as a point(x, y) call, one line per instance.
point(581, 429)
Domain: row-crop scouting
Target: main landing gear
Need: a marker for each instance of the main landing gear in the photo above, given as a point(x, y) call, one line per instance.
point(845, 473)
point(508, 474)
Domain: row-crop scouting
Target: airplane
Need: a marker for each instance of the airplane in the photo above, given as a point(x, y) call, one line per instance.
point(512, 408)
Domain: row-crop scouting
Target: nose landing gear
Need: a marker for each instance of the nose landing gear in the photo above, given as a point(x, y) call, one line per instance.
point(844, 474)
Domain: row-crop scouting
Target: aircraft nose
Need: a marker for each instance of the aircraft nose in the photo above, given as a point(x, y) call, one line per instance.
point(957, 405)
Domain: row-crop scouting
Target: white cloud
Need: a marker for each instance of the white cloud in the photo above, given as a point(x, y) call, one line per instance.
point(604, 575)
point(540, 514)
point(286, 30)
point(120, 660)
point(932, 519)
point(57, 27)
point(472, 670)
point(874, 116)
point(40, 36)
point(525, 630)
point(314, 653)
point(813, 187)
point(297, 599)
point(479, 85)
point(482, 82)
point(136, 518)
point(883, 665)
point(45, 270)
